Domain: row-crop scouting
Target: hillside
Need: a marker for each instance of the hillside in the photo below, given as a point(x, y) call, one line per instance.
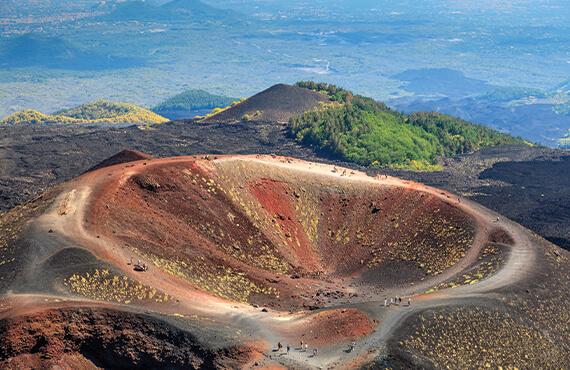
point(440, 81)
point(134, 10)
point(141, 10)
point(190, 103)
point(101, 111)
point(278, 103)
point(361, 130)
point(194, 8)
point(35, 49)
point(124, 156)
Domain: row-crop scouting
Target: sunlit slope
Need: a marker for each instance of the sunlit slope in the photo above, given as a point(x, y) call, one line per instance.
point(101, 111)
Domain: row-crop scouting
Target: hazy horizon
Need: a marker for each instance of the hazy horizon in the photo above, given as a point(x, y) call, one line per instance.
point(67, 53)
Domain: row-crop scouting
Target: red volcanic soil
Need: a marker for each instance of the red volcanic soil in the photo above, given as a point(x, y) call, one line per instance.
point(270, 195)
point(335, 327)
point(277, 104)
point(279, 236)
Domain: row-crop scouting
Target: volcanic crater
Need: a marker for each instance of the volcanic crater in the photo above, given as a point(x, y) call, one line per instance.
point(282, 234)
point(242, 252)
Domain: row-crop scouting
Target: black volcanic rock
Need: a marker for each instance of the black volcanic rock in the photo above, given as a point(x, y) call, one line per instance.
point(278, 103)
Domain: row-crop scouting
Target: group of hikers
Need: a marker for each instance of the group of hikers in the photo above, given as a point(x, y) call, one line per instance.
point(304, 348)
point(396, 301)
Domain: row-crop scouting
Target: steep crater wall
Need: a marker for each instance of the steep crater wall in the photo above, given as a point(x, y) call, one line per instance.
point(273, 233)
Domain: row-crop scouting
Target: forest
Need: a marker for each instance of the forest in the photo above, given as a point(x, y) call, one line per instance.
point(362, 130)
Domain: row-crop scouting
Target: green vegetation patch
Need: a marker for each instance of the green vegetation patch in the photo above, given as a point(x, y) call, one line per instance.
point(101, 111)
point(367, 132)
point(193, 100)
point(335, 93)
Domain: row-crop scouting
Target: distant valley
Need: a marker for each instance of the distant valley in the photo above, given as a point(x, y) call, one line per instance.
point(56, 54)
point(535, 114)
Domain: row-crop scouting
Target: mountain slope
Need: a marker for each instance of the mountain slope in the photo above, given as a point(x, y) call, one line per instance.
point(101, 111)
point(140, 10)
point(367, 132)
point(124, 156)
point(278, 103)
point(30, 50)
point(187, 103)
point(193, 8)
point(135, 10)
